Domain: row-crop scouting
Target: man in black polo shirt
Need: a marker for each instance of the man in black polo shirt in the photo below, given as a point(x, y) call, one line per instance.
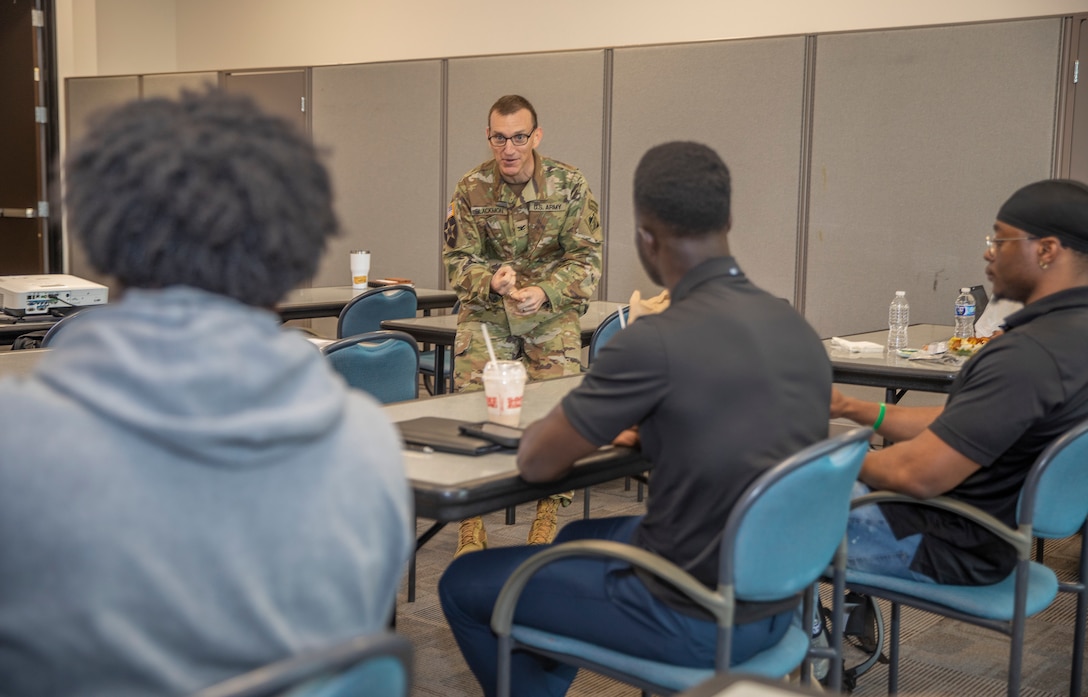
point(724, 384)
point(1022, 390)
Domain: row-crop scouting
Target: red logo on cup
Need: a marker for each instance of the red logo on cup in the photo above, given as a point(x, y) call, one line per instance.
point(513, 402)
point(493, 402)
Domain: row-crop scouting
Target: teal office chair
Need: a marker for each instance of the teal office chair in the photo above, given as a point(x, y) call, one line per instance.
point(777, 542)
point(382, 363)
point(365, 312)
point(370, 665)
point(605, 331)
point(1053, 504)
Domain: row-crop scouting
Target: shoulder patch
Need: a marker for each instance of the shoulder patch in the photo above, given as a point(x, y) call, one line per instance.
point(450, 231)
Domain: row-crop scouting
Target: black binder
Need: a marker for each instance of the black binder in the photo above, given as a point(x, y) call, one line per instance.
point(443, 435)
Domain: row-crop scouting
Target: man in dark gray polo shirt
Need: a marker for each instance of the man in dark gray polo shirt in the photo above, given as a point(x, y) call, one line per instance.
point(724, 384)
point(1022, 390)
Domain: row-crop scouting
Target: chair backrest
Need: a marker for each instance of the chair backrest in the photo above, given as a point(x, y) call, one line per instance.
point(371, 665)
point(605, 331)
point(64, 322)
point(1054, 498)
point(784, 530)
point(382, 363)
point(365, 312)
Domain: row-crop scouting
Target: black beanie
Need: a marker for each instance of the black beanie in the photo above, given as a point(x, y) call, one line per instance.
point(1053, 207)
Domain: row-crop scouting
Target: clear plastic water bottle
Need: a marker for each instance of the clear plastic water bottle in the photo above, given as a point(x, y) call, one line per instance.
point(965, 314)
point(898, 319)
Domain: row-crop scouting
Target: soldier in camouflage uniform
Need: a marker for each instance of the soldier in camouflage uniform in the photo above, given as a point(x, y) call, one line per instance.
point(523, 252)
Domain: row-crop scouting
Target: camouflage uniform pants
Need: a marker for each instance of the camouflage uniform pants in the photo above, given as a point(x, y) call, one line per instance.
point(552, 349)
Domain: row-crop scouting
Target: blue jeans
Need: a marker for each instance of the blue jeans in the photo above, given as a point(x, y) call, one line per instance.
point(596, 600)
point(873, 547)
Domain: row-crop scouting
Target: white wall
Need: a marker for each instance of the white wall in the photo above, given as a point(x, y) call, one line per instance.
point(106, 37)
point(136, 28)
point(117, 37)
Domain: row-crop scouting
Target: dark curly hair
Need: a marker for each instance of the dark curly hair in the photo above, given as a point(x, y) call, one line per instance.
point(204, 191)
point(686, 186)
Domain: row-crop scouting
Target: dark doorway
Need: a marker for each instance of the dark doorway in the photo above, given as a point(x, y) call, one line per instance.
point(279, 92)
point(28, 137)
point(1078, 131)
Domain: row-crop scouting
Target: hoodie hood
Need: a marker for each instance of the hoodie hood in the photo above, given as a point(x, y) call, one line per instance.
point(218, 382)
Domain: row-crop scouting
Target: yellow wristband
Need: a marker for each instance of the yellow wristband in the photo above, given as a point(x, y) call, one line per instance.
point(880, 419)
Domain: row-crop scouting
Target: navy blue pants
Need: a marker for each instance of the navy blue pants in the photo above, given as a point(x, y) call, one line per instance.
point(596, 600)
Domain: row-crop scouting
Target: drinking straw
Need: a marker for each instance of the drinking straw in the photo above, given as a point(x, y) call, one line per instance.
point(487, 340)
point(623, 320)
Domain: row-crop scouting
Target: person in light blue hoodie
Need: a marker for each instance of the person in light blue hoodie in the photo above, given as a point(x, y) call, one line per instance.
point(187, 491)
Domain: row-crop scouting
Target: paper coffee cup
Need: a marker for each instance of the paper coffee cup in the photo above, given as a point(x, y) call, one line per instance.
point(360, 268)
point(504, 386)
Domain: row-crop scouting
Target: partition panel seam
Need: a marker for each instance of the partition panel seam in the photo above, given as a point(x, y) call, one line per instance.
point(443, 158)
point(804, 179)
point(605, 195)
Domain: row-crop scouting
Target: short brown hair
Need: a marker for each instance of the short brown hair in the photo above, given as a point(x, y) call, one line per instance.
point(511, 104)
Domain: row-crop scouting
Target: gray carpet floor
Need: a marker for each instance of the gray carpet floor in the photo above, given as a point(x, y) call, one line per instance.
point(939, 656)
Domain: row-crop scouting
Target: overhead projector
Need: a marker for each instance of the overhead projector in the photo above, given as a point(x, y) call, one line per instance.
point(49, 293)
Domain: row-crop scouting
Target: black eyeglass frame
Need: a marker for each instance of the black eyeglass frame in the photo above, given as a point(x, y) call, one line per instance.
point(498, 140)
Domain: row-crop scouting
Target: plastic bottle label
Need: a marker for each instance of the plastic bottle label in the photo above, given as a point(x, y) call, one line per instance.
point(965, 310)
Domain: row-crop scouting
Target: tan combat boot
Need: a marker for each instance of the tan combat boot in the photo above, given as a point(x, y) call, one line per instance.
point(472, 537)
point(546, 523)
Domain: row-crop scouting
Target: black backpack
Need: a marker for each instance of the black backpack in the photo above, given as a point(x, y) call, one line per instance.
point(30, 340)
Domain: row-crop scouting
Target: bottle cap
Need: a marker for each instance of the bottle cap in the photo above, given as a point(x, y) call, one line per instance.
point(965, 290)
point(901, 293)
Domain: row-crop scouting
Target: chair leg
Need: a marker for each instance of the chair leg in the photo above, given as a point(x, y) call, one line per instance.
point(585, 504)
point(1016, 653)
point(838, 625)
point(506, 645)
point(641, 493)
point(1039, 552)
point(1081, 588)
point(412, 578)
point(807, 611)
point(511, 515)
point(893, 652)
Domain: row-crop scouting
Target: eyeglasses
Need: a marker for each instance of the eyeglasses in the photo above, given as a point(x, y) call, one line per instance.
point(992, 243)
point(499, 140)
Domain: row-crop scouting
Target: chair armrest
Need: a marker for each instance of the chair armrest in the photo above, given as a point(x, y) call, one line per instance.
point(502, 617)
point(293, 671)
point(1018, 538)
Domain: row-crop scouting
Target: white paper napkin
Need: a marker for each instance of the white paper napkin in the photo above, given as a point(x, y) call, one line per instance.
point(856, 346)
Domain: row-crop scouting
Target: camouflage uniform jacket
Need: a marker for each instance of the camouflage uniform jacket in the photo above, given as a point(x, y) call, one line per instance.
point(550, 235)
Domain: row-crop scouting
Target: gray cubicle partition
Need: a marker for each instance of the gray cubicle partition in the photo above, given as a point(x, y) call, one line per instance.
point(85, 97)
point(919, 135)
point(380, 127)
point(863, 162)
point(173, 84)
point(744, 99)
point(566, 89)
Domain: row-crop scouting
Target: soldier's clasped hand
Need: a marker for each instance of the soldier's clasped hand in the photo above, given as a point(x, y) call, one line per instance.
point(504, 280)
